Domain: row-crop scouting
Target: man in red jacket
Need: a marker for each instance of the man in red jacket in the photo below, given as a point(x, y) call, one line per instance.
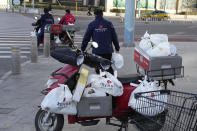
point(67, 19)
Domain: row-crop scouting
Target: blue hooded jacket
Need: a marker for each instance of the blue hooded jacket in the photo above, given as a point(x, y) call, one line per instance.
point(44, 20)
point(102, 32)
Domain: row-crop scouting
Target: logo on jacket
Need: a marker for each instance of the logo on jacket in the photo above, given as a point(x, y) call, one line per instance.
point(100, 29)
point(100, 26)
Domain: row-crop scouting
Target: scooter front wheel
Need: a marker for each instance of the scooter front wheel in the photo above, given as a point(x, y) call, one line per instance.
point(45, 121)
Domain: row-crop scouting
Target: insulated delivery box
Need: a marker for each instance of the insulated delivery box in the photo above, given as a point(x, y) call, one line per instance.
point(160, 67)
point(91, 101)
point(95, 106)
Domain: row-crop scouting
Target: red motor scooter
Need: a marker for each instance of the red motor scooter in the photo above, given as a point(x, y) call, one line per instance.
point(69, 75)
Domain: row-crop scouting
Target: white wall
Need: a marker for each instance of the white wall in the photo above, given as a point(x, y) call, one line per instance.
point(3, 2)
point(108, 5)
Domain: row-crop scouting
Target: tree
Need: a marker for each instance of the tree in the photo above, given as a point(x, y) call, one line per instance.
point(146, 4)
point(188, 4)
point(177, 6)
point(115, 3)
point(155, 5)
point(21, 1)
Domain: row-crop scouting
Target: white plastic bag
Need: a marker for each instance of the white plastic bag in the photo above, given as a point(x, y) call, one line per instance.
point(33, 33)
point(109, 84)
point(58, 41)
point(145, 42)
point(59, 101)
point(118, 60)
point(163, 49)
point(173, 50)
point(92, 92)
point(156, 39)
point(142, 105)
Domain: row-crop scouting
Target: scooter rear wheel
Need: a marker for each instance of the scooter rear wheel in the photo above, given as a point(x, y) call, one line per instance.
point(154, 123)
point(55, 122)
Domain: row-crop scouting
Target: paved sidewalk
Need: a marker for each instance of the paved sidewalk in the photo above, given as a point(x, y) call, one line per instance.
point(20, 94)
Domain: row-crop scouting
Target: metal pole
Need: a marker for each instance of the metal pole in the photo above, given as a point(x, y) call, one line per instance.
point(34, 49)
point(7, 6)
point(129, 23)
point(76, 9)
point(139, 6)
point(33, 4)
point(16, 60)
point(46, 44)
point(10, 3)
point(24, 6)
point(19, 9)
point(84, 2)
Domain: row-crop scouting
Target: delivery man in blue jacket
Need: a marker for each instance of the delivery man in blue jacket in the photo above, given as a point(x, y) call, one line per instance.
point(42, 22)
point(102, 32)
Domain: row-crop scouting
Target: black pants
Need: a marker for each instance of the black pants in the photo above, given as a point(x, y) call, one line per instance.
point(106, 56)
point(89, 13)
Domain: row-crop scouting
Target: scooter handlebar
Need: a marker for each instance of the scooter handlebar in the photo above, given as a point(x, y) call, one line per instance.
point(34, 24)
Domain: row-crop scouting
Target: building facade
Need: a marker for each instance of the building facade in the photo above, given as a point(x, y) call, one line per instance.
point(172, 6)
point(3, 4)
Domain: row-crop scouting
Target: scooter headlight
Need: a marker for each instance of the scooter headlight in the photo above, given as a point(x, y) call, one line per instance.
point(80, 59)
point(50, 82)
point(105, 65)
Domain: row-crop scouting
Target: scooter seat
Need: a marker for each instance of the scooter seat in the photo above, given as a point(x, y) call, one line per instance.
point(126, 79)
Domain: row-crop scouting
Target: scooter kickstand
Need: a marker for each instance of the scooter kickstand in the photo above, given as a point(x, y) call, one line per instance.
point(122, 124)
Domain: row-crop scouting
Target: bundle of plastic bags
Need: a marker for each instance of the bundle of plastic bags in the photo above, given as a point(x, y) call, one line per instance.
point(107, 84)
point(59, 100)
point(147, 106)
point(157, 45)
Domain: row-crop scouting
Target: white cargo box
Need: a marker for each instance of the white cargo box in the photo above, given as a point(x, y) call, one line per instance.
point(158, 68)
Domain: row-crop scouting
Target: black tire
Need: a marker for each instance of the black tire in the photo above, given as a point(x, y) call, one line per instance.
point(149, 18)
point(54, 118)
point(154, 123)
point(165, 18)
point(53, 45)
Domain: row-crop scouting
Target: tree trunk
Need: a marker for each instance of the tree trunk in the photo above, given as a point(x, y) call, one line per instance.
point(146, 4)
point(177, 6)
point(155, 5)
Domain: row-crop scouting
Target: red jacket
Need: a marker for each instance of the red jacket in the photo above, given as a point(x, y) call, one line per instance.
point(67, 19)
